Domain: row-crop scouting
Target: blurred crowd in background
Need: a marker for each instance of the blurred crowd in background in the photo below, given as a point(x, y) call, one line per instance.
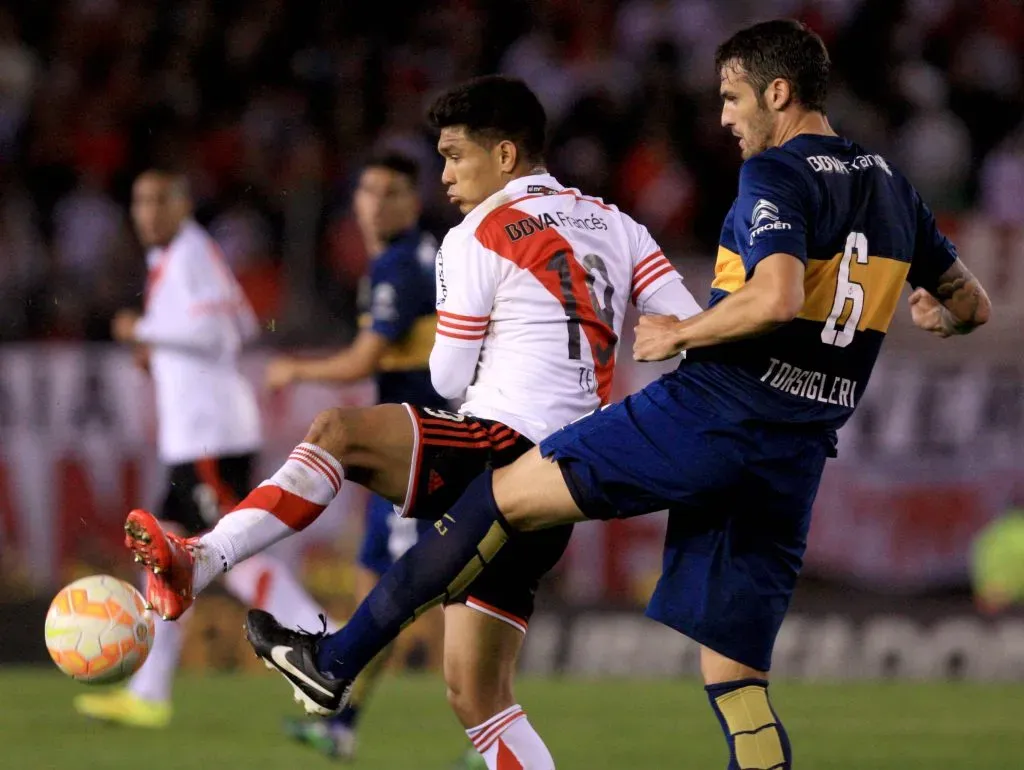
point(272, 105)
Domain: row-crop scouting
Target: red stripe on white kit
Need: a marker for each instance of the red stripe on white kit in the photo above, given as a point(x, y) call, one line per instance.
point(311, 459)
point(463, 327)
point(486, 738)
point(649, 270)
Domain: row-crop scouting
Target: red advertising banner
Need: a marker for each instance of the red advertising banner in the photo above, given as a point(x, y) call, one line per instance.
point(932, 454)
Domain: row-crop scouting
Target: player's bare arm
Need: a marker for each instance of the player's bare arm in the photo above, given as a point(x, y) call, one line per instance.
point(959, 306)
point(773, 296)
point(355, 362)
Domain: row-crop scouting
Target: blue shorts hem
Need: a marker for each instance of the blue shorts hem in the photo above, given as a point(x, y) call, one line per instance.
point(759, 661)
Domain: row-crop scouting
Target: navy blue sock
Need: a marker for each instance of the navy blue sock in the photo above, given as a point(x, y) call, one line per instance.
point(346, 719)
point(752, 729)
point(442, 563)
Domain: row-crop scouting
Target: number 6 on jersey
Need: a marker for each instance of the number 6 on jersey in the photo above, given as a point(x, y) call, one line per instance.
point(847, 291)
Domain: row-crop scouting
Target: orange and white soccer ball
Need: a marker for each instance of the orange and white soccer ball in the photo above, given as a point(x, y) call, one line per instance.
point(98, 630)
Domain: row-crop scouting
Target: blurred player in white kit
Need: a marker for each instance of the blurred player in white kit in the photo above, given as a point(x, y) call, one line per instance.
point(189, 337)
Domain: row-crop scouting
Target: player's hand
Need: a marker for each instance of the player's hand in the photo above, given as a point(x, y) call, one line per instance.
point(281, 372)
point(122, 328)
point(929, 314)
point(657, 338)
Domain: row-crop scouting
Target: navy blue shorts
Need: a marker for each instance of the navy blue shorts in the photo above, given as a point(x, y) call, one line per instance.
point(739, 499)
point(387, 535)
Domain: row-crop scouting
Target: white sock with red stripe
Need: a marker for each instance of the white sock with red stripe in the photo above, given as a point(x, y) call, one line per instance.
point(264, 582)
point(286, 503)
point(507, 741)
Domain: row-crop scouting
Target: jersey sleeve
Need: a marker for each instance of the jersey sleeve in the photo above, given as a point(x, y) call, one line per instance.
point(466, 275)
point(934, 253)
point(672, 298)
point(651, 268)
point(393, 305)
point(771, 211)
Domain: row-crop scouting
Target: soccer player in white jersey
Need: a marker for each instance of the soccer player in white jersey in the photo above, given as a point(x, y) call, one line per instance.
point(531, 292)
point(195, 323)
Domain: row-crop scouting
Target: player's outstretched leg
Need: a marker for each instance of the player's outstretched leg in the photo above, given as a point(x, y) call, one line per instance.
point(447, 559)
point(292, 653)
point(414, 584)
point(739, 697)
point(372, 447)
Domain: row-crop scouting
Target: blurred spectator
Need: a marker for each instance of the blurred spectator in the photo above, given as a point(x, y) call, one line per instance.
point(23, 262)
point(19, 70)
point(270, 104)
point(1002, 181)
point(246, 240)
point(933, 147)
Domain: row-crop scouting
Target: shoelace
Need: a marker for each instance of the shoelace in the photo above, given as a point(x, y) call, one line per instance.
point(316, 635)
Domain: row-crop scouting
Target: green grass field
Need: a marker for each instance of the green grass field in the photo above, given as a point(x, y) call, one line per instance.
point(233, 722)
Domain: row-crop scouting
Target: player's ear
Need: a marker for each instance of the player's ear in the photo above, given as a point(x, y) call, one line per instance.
point(779, 94)
point(508, 155)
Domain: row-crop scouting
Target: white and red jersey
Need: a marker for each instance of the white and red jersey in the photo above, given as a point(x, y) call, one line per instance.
point(531, 294)
point(196, 321)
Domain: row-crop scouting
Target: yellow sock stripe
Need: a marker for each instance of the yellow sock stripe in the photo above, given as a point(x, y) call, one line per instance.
point(751, 722)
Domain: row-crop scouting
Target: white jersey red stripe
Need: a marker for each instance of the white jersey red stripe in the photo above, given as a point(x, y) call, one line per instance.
point(532, 291)
point(196, 321)
point(648, 270)
point(462, 327)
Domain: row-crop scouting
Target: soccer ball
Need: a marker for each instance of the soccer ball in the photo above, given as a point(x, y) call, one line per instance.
point(98, 630)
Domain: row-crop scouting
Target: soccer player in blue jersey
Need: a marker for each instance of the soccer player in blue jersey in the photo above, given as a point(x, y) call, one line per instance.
point(396, 299)
point(813, 257)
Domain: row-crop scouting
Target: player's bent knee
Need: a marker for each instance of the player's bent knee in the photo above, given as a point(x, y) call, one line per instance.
point(531, 494)
point(332, 430)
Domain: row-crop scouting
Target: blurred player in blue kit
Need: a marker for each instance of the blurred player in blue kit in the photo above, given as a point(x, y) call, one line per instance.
point(812, 259)
point(393, 346)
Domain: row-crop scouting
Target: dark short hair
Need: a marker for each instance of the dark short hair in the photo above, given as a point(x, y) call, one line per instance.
point(397, 162)
point(173, 175)
point(495, 108)
point(785, 49)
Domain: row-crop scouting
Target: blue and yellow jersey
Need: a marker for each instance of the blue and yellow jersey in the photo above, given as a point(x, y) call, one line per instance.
point(862, 230)
point(397, 301)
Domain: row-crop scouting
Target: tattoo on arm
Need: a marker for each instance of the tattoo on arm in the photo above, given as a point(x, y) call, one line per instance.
point(966, 304)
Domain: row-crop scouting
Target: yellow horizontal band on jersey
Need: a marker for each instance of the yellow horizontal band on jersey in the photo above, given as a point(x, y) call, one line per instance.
point(410, 353)
point(882, 279)
point(730, 274)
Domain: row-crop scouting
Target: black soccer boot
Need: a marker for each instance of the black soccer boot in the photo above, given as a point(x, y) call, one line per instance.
point(292, 653)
